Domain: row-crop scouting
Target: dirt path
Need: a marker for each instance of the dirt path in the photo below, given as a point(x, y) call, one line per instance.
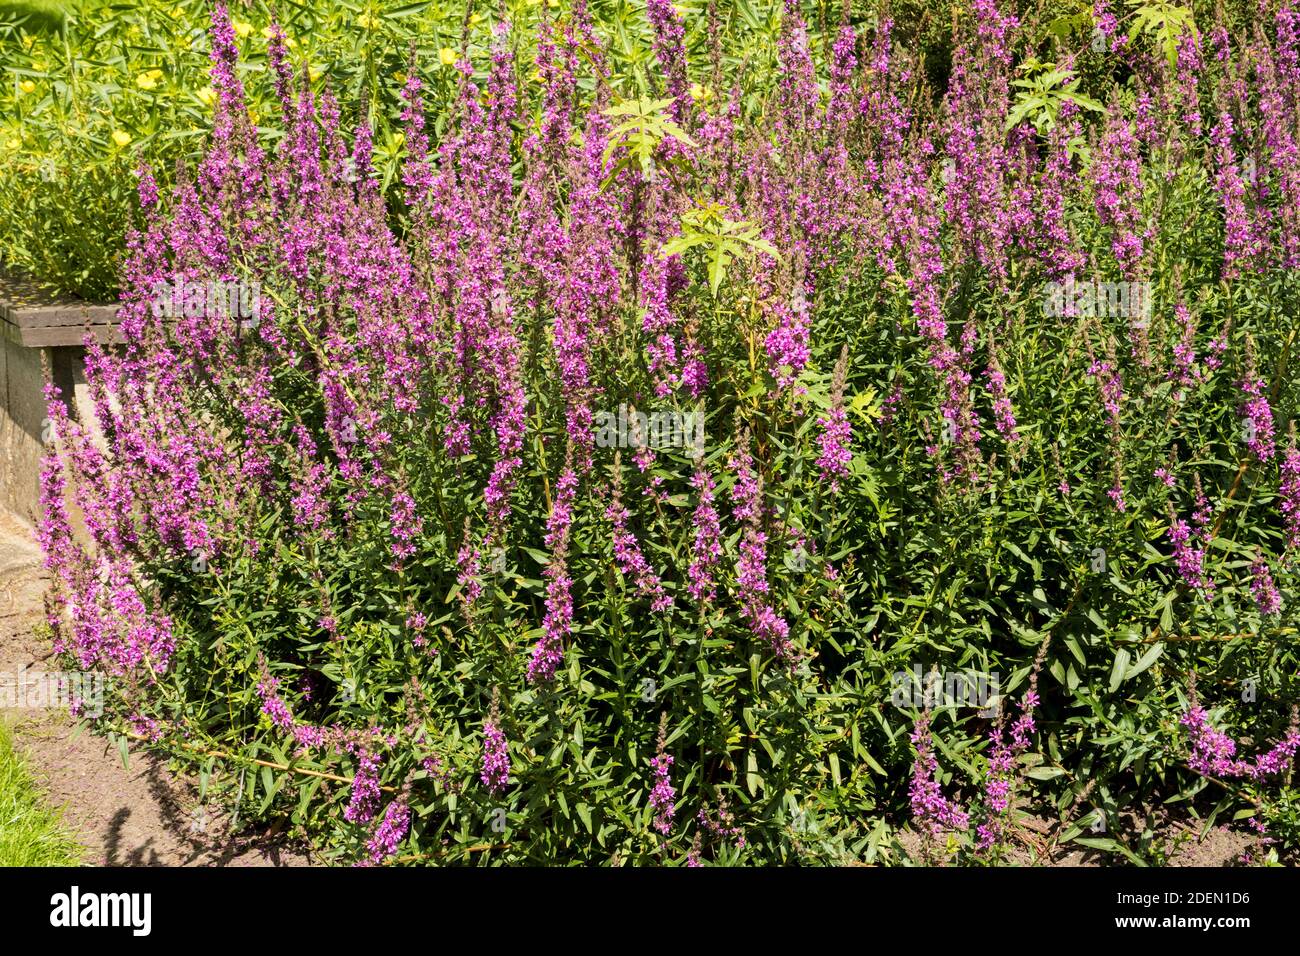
point(1033, 843)
point(141, 816)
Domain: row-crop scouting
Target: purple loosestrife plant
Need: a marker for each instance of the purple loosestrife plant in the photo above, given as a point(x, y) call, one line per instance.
point(670, 51)
point(1242, 245)
point(1288, 492)
point(930, 809)
point(1117, 190)
point(469, 577)
point(1256, 410)
point(558, 622)
point(836, 432)
point(390, 832)
point(287, 529)
point(1003, 772)
point(706, 544)
point(628, 557)
point(662, 795)
point(1189, 558)
point(1055, 237)
point(1214, 753)
point(1110, 385)
point(1265, 592)
point(272, 704)
point(496, 758)
point(1184, 371)
point(976, 143)
point(364, 800)
point(748, 507)
point(915, 228)
point(1003, 413)
point(1000, 780)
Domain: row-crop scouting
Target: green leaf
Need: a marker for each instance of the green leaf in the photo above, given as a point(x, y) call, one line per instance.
point(1146, 660)
point(718, 268)
point(1110, 846)
point(1044, 773)
point(678, 245)
point(1119, 669)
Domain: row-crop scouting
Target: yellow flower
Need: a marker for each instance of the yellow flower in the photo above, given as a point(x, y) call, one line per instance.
point(242, 28)
point(253, 117)
point(399, 76)
point(289, 41)
point(313, 74)
point(447, 55)
point(27, 86)
point(121, 137)
point(476, 18)
point(207, 96)
point(14, 143)
point(149, 80)
point(699, 92)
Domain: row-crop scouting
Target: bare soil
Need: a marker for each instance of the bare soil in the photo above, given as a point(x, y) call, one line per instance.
point(1036, 841)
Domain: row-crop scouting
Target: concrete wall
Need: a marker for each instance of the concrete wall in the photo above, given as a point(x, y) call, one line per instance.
point(21, 426)
point(24, 422)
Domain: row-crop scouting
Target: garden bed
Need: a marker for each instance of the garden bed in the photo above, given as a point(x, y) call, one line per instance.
point(750, 437)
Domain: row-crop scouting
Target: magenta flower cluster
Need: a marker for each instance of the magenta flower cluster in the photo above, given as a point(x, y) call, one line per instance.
point(1214, 753)
point(496, 758)
point(930, 809)
point(662, 795)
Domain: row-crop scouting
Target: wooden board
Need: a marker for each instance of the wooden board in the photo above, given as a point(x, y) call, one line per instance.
point(35, 317)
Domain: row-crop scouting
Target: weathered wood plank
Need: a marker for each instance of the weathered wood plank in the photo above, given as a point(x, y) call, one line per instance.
point(51, 316)
point(36, 317)
point(61, 335)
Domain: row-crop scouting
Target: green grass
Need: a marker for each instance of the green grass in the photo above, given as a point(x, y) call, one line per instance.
point(31, 833)
point(37, 16)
